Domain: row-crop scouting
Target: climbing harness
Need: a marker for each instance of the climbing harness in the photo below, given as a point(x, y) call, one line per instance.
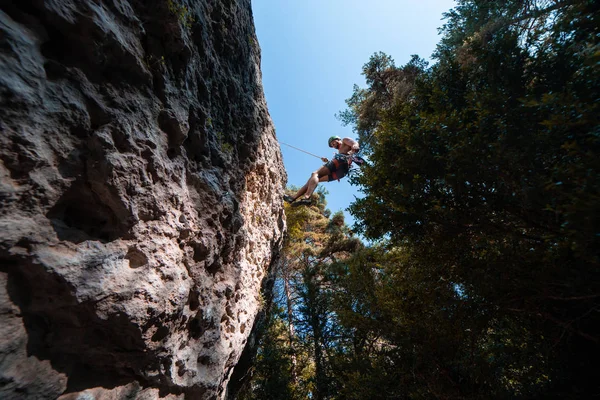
point(352, 159)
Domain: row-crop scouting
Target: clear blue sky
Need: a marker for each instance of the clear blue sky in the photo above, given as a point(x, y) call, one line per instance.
point(312, 55)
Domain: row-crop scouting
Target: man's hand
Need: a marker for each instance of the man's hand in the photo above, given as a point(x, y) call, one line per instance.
point(324, 159)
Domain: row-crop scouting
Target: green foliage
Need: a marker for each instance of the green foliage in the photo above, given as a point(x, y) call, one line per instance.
point(417, 334)
point(271, 379)
point(225, 146)
point(152, 61)
point(182, 12)
point(315, 243)
point(252, 41)
point(486, 173)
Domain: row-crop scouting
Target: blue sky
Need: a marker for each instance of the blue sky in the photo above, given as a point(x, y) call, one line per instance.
point(312, 55)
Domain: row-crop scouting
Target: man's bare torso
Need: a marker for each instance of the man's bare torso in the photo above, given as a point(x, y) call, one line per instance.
point(346, 146)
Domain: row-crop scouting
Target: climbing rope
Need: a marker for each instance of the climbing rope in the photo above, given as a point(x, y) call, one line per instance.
point(293, 147)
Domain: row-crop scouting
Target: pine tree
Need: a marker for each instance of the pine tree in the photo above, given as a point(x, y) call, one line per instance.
point(315, 241)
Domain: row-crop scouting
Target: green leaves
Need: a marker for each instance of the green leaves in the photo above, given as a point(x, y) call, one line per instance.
point(486, 174)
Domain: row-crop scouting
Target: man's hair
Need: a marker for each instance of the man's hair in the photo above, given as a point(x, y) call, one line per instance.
point(332, 138)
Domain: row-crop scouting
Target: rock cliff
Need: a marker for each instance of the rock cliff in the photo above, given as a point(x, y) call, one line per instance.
point(140, 195)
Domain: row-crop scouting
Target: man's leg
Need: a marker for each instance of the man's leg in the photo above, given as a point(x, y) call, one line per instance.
point(322, 175)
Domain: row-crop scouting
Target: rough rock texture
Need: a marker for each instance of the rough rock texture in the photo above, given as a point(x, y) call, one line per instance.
point(140, 195)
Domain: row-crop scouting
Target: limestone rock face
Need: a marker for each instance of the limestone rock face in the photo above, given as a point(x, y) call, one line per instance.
point(140, 195)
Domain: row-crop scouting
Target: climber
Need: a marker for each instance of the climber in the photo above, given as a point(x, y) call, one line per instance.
point(331, 170)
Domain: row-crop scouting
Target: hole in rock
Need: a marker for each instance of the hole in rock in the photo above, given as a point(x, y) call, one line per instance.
point(195, 328)
point(136, 258)
point(194, 300)
point(200, 251)
point(214, 268)
point(160, 334)
point(80, 215)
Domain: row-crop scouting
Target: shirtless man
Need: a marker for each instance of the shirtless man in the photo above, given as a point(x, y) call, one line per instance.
point(332, 170)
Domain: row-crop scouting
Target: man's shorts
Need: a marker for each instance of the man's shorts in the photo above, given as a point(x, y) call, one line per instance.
point(338, 167)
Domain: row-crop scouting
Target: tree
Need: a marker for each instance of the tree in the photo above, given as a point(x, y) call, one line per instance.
point(271, 372)
point(304, 290)
point(486, 174)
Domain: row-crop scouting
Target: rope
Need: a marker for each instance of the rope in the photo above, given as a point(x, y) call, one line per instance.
point(293, 147)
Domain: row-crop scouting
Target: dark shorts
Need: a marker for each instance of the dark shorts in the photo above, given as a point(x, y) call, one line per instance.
point(338, 167)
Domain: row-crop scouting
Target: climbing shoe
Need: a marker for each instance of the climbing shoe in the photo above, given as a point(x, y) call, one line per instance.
point(303, 202)
point(288, 198)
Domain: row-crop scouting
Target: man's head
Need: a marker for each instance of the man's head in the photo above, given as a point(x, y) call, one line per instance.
point(334, 141)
